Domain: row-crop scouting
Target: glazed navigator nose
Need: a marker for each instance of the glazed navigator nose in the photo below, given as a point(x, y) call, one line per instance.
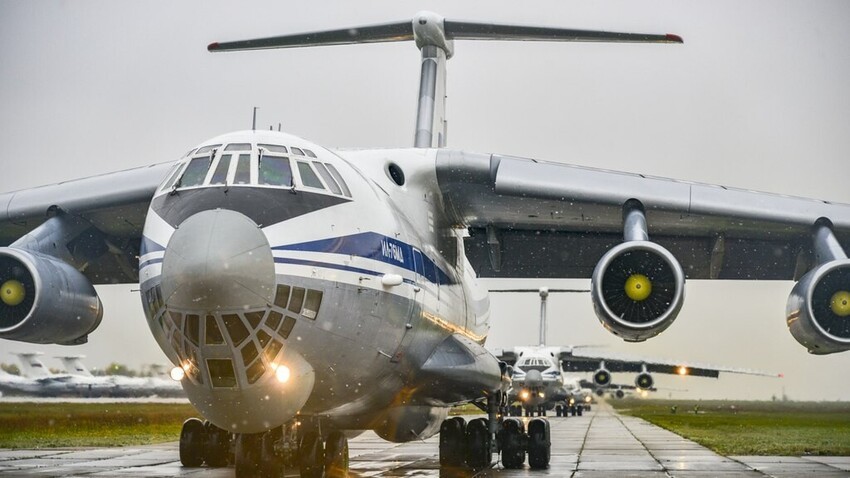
point(218, 259)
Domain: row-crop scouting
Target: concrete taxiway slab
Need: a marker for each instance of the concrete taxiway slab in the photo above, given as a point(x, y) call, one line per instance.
point(599, 444)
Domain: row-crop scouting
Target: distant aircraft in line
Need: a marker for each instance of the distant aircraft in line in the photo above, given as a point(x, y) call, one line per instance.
point(542, 380)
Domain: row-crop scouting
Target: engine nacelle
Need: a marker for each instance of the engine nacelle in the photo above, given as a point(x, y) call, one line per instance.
point(602, 377)
point(44, 300)
point(638, 288)
point(644, 381)
point(818, 310)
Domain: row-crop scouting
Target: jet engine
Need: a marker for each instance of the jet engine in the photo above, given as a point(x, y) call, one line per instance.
point(602, 377)
point(818, 310)
point(637, 289)
point(644, 381)
point(44, 300)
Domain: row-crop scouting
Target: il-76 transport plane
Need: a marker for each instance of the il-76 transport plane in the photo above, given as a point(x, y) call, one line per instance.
point(540, 380)
point(305, 293)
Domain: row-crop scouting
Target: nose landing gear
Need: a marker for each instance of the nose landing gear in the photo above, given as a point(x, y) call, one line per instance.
point(267, 454)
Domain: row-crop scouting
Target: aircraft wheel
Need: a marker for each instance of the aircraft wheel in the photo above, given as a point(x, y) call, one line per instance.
point(192, 442)
point(513, 444)
point(579, 410)
point(573, 411)
point(311, 456)
point(541, 412)
point(217, 449)
point(557, 410)
point(539, 445)
point(478, 454)
point(248, 455)
point(453, 442)
point(336, 455)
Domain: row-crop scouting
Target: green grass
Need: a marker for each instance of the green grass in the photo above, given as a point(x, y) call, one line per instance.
point(752, 428)
point(48, 425)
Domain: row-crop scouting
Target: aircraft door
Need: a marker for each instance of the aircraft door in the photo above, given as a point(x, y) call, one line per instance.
point(415, 307)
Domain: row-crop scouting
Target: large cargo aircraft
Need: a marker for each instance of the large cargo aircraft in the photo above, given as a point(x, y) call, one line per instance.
point(544, 376)
point(303, 292)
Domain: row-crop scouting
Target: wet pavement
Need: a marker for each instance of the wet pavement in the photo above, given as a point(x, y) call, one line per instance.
point(599, 444)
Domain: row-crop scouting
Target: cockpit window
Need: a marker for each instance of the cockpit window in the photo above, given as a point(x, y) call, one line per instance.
point(238, 147)
point(221, 373)
point(339, 179)
point(275, 171)
point(329, 180)
point(273, 148)
point(207, 149)
point(309, 153)
point(297, 151)
point(243, 169)
point(221, 169)
point(308, 176)
point(195, 172)
point(175, 172)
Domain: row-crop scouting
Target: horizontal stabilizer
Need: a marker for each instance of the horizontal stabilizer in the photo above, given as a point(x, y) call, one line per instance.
point(447, 30)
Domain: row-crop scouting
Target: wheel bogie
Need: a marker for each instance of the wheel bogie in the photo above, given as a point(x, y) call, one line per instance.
point(336, 455)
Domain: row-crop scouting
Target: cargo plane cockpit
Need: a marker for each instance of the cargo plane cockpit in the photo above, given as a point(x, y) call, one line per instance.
point(305, 293)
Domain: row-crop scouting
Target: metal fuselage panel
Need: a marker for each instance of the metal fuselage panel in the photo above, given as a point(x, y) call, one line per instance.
point(357, 356)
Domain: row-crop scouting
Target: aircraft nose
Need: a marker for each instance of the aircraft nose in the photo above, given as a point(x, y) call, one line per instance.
point(533, 377)
point(218, 259)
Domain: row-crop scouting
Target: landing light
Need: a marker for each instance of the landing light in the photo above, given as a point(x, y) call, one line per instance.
point(177, 374)
point(282, 373)
point(644, 393)
point(523, 395)
point(572, 401)
point(587, 399)
point(682, 370)
point(542, 395)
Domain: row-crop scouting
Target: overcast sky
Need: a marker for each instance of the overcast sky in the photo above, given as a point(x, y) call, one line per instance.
point(756, 98)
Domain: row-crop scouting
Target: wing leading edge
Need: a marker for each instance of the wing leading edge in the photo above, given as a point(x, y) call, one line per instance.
point(575, 214)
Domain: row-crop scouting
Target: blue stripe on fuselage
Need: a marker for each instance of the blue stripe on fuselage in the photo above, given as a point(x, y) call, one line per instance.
point(371, 245)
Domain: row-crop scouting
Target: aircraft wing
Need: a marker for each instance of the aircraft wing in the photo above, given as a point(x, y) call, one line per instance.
point(114, 204)
point(531, 218)
point(589, 361)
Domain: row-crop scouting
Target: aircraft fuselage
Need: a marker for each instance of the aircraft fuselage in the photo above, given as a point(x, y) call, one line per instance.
point(281, 293)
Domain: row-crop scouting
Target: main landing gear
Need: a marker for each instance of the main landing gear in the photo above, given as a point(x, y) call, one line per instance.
point(472, 444)
point(295, 445)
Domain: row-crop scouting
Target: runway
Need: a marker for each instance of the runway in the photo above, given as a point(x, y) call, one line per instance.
point(599, 444)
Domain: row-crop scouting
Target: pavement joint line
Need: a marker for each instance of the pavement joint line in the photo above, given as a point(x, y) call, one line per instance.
point(584, 440)
point(663, 468)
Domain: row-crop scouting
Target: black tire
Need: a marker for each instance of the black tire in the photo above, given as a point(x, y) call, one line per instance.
point(573, 411)
point(579, 410)
point(539, 445)
point(478, 453)
point(193, 439)
point(247, 459)
point(336, 455)
point(217, 450)
point(453, 442)
point(513, 443)
point(311, 456)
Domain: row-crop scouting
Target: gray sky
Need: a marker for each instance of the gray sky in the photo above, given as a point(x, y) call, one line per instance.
point(756, 98)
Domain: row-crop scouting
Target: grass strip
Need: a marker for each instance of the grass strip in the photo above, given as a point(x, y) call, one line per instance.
point(751, 428)
point(51, 425)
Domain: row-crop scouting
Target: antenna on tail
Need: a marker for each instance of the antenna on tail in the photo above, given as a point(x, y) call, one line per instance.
point(434, 36)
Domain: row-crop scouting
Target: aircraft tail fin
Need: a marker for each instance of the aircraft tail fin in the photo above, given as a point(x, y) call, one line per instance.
point(73, 365)
point(32, 366)
point(434, 36)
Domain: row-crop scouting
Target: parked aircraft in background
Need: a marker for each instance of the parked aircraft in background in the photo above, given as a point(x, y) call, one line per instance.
point(302, 292)
point(540, 379)
point(77, 381)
